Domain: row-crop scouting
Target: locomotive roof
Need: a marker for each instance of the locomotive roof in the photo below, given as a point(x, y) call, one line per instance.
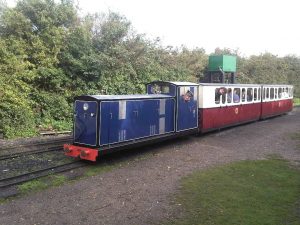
point(121, 97)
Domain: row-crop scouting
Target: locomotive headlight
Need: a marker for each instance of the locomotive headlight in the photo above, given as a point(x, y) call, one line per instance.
point(85, 106)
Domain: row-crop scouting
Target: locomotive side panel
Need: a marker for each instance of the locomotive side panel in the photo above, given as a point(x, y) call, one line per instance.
point(127, 120)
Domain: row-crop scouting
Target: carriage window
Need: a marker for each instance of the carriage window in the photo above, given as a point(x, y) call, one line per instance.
point(229, 95)
point(223, 98)
point(217, 96)
point(271, 93)
point(249, 94)
point(291, 92)
point(255, 94)
point(285, 93)
point(275, 93)
point(220, 94)
point(243, 94)
point(259, 93)
point(267, 93)
point(279, 93)
point(236, 95)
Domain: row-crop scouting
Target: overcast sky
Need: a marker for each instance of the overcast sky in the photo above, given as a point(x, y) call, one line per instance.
point(252, 26)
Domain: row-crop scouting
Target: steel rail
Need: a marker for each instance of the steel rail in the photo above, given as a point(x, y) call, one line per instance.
point(32, 152)
point(49, 142)
point(19, 179)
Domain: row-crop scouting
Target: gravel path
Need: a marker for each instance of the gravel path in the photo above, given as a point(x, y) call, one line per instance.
point(139, 193)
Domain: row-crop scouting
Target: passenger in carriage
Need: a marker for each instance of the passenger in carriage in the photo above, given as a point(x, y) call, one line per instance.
point(249, 95)
point(236, 97)
point(220, 92)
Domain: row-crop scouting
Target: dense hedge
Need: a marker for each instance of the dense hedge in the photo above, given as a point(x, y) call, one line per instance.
point(49, 54)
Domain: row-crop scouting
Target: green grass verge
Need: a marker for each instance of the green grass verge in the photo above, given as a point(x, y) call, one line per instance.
point(41, 183)
point(247, 192)
point(296, 101)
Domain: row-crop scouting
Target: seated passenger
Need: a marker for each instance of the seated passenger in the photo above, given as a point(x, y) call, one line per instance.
point(236, 97)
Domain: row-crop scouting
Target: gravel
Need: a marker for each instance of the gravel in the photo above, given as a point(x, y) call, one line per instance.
point(140, 192)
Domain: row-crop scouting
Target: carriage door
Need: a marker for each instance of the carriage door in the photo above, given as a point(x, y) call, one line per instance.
point(85, 122)
point(187, 108)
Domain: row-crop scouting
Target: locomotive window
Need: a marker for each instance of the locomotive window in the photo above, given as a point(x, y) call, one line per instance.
point(165, 89)
point(271, 93)
point(160, 89)
point(255, 94)
point(243, 94)
point(155, 89)
point(236, 95)
point(249, 94)
point(279, 92)
point(229, 95)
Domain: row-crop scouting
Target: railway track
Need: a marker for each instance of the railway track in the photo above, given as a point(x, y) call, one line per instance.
point(30, 145)
point(32, 152)
point(12, 161)
point(19, 179)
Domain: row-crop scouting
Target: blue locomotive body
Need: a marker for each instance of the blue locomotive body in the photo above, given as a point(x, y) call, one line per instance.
point(103, 123)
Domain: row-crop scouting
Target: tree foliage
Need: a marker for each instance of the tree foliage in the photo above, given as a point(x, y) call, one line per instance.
point(49, 54)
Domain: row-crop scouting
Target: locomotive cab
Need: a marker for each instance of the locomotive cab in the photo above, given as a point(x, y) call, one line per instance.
point(186, 95)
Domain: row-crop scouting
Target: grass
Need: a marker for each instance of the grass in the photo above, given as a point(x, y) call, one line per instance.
point(247, 192)
point(41, 183)
point(296, 101)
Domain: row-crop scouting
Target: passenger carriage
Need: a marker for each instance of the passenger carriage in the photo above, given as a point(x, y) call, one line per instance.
point(223, 105)
point(276, 99)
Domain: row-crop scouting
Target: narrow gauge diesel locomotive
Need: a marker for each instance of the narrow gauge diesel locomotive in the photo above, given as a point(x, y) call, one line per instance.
point(106, 123)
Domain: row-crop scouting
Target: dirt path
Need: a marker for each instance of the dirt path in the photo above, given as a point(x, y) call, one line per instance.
point(139, 193)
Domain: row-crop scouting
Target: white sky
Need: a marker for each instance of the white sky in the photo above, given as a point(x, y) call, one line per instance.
point(252, 26)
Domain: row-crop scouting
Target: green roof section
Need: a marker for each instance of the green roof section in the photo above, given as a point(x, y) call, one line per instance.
point(225, 62)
